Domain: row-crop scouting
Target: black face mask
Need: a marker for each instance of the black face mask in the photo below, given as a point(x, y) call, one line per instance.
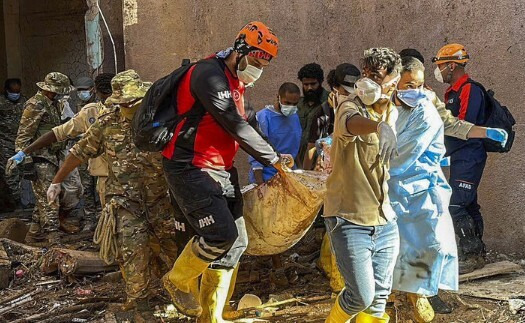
point(313, 95)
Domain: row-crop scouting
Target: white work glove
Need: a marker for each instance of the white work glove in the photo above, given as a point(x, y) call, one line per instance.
point(14, 161)
point(387, 142)
point(52, 192)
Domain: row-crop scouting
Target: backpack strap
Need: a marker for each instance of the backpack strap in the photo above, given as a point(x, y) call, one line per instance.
point(486, 94)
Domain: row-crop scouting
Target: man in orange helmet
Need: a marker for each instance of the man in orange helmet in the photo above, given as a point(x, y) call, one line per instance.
point(198, 164)
point(466, 101)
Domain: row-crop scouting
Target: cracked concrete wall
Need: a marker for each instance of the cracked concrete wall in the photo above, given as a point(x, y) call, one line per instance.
point(113, 12)
point(162, 32)
point(52, 39)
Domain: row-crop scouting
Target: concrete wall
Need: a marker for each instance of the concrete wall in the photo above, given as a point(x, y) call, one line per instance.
point(52, 38)
point(113, 12)
point(158, 34)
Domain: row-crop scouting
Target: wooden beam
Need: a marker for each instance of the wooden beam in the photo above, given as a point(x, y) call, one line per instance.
point(5, 268)
point(75, 262)
point(497, 268)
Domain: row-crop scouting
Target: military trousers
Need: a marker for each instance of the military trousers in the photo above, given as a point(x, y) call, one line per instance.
point(144, 236)
point(90, 192)
point(45, 214)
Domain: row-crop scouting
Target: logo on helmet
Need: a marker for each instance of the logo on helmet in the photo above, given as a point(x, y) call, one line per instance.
point(251, 27)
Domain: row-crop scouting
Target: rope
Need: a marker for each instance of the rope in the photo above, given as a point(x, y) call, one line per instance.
point(105, 233)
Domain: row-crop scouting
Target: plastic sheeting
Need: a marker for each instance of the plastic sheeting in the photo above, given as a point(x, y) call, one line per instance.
point(94, 42)
point(279, 213)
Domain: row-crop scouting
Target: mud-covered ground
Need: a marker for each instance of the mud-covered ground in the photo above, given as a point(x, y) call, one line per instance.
point(35, 297)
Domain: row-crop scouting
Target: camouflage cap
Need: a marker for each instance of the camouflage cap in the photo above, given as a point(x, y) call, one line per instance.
point(56, 82)
point(127, 87)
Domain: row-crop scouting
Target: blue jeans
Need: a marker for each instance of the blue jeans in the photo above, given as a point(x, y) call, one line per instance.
point(366, 257)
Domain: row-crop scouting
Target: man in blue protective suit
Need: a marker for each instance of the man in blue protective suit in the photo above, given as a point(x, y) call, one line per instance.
point(419, 194)
point(280, 124)
point(466, 101)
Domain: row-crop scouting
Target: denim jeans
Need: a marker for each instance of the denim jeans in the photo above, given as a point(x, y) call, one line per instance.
point(365, 256)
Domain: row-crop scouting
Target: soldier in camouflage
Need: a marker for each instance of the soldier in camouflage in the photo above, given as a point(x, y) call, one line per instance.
point(86, 95)
point(11, 106)
point(75, 128)
point(41, 113)
point(137, 200)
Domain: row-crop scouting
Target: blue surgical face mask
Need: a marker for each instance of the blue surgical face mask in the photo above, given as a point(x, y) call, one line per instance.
point(84, 95)
point(411, 97)
point(13, 96)
point(287, 110)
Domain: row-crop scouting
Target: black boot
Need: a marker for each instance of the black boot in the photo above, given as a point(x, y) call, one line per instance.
point(470, 246)
point(439, 306)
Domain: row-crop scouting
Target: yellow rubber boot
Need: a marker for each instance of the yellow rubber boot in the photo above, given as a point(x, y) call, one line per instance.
point(337, 314)
point(337, 282)
point(423, 311)
point(367, 318)
point(325, 262)
point(182, 281)
point(227, 307)
point(215, 284)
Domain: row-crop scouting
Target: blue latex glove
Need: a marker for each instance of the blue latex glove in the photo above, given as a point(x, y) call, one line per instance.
point(498, 135)
point(14, 161)
point(445, 162)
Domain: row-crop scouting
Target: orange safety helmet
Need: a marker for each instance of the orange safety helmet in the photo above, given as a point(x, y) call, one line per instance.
point(256, 39)
point(451, 53)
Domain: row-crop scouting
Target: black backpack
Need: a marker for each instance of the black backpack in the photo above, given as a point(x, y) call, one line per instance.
point(155, 120)
point(496, 116)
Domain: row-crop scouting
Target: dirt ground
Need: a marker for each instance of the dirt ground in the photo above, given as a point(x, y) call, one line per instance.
point(35, 297)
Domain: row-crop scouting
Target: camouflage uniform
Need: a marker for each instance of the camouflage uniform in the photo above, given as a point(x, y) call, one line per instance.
point(96, 167)
point(136, 191)
point(40, 115)
point(10, 114)
point(87, 177)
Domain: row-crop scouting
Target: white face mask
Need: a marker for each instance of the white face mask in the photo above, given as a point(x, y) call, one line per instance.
point(391, 82)
point(438, 75)
point(250, 73)
point(368, 91)
point(287, 110)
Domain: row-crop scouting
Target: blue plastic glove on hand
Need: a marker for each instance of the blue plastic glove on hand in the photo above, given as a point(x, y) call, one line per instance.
point(14, 161)
point(498, 135)
point(445, 162)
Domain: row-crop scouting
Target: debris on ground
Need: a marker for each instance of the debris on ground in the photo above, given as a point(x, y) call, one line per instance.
point(81, 288)
point(493, 269)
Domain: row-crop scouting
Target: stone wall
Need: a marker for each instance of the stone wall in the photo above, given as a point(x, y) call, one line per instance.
point(158, 34)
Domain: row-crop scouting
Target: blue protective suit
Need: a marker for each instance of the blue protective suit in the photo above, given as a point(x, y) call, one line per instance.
point(420, 194)
point(283, 133)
